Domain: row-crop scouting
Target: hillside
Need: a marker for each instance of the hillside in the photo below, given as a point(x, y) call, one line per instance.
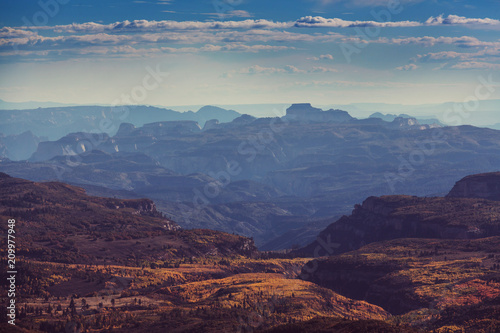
point(106, 263)
point(329, 325)
point(425, 281)
point(59, 222)
point(390, 217)
point(132, 270)
point(485, 186)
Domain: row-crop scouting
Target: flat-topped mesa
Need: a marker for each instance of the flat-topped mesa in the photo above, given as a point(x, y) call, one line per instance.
point(308, 113)
point(302, 108)
point(483, 186)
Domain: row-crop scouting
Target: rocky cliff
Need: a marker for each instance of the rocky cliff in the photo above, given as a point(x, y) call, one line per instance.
point(485, 186)
point(391, 217)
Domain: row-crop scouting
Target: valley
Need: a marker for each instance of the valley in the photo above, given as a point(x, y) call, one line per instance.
point(134, 270)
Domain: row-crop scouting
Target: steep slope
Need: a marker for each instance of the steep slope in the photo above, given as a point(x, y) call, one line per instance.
point(485, 186)
point(59, 222)
point(405, 275)
point(390, 217)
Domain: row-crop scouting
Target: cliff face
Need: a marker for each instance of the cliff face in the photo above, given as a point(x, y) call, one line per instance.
point(485, 186)
point(391, 217)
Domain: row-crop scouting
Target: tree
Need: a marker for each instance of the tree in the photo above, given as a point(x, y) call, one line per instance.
point(72, 306)
point(84, 304)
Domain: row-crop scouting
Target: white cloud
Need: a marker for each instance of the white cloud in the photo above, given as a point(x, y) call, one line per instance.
point(229, 14)
point(214, 36)
point(137, 26)
point(326, 56)
point(7, 32)
point(367, 3)
point(229, 40)
point(323, 70)
point(256, 69)
point(476, 65)
point(243, 48)
point(288, 69)
point(487, 58)
point(321, 22)
point(322, 57)
point(239, 13)
point(293, 69)
point(156, 26)
point(487, 53)
point(409, 67)
point(463, 41)
point(460, 20)
point(440, 56)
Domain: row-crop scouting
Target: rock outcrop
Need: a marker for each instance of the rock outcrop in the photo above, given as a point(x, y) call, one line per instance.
point(211, 124)
point(485, 186)
point(306, 112)
point(397, 216)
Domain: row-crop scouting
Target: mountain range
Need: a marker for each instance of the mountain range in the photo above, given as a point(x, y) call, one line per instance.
point(264, 177)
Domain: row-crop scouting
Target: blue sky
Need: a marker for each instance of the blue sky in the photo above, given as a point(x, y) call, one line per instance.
point(248, 51)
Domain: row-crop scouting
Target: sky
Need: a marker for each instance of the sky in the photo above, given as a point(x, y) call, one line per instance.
point(173, 52)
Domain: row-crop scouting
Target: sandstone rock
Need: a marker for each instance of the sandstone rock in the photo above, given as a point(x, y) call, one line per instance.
point(485, 186)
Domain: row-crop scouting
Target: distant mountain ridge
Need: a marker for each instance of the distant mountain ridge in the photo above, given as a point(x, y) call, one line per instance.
point(4, 105)
point(266, 177)
point(391, 117)
point(56, 122)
